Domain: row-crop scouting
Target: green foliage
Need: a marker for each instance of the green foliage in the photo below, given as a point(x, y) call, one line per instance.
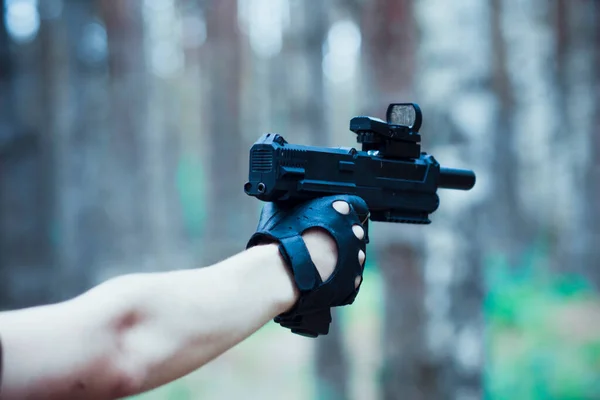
point(531, 353)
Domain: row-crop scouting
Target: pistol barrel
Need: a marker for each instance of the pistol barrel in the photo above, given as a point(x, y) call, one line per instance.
point(459, 179)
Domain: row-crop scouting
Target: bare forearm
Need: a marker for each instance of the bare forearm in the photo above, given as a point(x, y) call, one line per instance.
point(191, 317)
point(137, 332)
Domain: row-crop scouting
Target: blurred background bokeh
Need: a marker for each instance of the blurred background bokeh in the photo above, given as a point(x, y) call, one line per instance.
point(124, 135)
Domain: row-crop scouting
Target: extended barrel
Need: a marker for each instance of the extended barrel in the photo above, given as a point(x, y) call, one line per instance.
point(459, 179)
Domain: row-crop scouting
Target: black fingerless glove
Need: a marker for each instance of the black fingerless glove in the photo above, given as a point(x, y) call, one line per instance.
point(285, 224)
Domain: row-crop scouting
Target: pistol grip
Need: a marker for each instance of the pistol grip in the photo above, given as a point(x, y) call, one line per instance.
point(309, 325)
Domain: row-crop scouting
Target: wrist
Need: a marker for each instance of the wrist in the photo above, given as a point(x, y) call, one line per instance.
point(281, 280)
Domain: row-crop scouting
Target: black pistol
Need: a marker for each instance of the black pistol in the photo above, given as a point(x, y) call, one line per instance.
point(398, 182)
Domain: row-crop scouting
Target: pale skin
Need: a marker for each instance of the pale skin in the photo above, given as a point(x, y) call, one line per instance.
point(137, 332)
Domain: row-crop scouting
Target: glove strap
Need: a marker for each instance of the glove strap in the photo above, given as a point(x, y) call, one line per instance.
point(294, 251)
point(295, 254)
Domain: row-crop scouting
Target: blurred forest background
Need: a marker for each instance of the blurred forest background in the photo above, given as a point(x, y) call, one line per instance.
point(124, 135)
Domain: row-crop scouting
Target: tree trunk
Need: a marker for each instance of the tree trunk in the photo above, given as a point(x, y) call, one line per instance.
point(390, 36)
point(534, 118)
point(129, 243)
point(406, 371)
point(304, 66)
point(455, 92)
point(593, 172)
point(512, 234)
point(162, 135)
point(227, 172)
point(6, 126)
point(79, 143)
point(26, 126)
point(576, 208)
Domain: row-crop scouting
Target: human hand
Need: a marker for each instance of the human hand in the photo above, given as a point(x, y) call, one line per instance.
point(323, 242)
point(323, 249)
